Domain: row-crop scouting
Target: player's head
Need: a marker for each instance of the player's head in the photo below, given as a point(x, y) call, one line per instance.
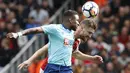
point(71, 17)
point(86, 29)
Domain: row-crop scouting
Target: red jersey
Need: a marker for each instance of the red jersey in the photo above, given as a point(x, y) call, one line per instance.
point(75, 45)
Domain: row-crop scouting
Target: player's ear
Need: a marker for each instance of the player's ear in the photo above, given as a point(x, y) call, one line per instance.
point(70, 20)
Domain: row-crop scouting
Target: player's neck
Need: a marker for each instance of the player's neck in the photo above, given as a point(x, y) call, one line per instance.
point(65, 25)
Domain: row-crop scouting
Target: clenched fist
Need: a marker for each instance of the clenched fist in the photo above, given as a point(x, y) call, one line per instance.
point(14, 35)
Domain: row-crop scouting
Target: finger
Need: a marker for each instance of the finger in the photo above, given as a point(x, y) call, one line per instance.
point(101, 60)
point(21, 66)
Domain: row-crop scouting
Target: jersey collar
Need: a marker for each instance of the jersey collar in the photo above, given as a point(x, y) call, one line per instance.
point(65, 28)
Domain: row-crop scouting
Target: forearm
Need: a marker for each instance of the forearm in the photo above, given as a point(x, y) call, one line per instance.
point(35, 56)
point(82, 56)
point(32, 31)
point(39, 53)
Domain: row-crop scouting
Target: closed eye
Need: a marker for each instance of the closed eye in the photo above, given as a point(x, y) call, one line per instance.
point(90, 32)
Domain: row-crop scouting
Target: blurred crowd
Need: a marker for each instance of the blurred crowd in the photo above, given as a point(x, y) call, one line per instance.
point(111, 40)
point(17, 15)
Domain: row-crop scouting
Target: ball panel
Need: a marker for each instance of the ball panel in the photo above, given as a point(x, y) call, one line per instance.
point(88, 6)
point(86, 13)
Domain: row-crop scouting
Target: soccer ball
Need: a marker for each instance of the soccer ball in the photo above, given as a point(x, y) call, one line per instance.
point(90, 9)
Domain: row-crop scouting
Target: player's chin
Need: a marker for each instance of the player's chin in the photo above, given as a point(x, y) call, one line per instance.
point(74, 28)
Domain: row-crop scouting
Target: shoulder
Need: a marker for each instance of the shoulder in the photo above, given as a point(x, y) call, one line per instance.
point(50, 27)
point(54, 25)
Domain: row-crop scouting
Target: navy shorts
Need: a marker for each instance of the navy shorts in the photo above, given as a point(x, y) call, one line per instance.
point(53, 68)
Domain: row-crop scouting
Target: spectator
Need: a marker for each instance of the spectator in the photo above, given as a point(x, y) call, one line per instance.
point(100, 70)
point(106, 36)
point(115, 4)
point(116, 46)
point(110, 68)
point(88, 70)
point(6, 53)
point(40, 15)
point(9, 27)
point(116, 64)
point(28, 6)
point(100, 44)
point(106, 58)
point(106, 17)
point(11, 17)
point(123, 37)
point(127, 49)
point(112, 29)
point(45, 6)
point(2, 28)
point(122, 17)
point(127, 23)
point(95, 68)
point(31, 23)
point(4, 56)
point(127, 11)
point(127, 68)
point(20, 16)
point(123, 59)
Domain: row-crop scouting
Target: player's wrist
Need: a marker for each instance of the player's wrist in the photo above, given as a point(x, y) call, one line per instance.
point(92, 58)
point(20, 34)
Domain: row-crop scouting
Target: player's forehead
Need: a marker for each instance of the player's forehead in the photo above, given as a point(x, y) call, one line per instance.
point(87, 29)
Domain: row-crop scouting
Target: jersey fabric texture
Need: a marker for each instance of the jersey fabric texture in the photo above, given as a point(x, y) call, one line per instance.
point(61, 42)
point(75, 46)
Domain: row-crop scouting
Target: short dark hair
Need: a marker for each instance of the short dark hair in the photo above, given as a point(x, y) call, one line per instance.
point(70, 13)
point(90, 23)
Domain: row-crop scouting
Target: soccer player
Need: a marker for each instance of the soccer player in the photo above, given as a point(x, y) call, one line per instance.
point(76, 53)
point(61, 39)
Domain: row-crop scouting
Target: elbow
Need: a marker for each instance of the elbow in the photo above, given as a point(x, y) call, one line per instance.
point(77, 55)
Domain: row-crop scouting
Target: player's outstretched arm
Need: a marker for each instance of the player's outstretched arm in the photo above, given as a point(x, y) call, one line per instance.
point(79, 55)
point(37, 54)
point(25, 32)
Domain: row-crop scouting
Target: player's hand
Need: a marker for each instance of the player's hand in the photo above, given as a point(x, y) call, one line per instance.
point(97, 59)
point(25, 64)
point(12, 35)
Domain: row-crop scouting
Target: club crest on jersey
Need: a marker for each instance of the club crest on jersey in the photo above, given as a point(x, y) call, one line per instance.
point(66, 41)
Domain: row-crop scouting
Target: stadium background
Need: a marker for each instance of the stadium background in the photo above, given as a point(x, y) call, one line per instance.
point(111, 40)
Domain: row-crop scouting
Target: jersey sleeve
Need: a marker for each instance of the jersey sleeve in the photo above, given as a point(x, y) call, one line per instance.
point(49, 29)
point(76, 44)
